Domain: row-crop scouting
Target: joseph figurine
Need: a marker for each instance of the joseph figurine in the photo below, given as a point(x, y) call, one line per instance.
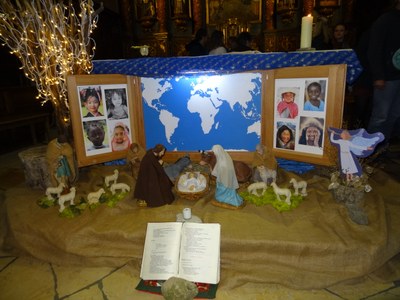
point(153, 186)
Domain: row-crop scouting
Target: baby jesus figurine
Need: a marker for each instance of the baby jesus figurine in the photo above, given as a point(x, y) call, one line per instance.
point(191, 182)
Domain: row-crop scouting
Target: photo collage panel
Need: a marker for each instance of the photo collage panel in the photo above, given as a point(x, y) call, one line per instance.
point(300, 112)
point(105, 118)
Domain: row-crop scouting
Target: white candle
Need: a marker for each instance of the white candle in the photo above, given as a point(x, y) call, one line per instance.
point(187, 213)
point(306, 32)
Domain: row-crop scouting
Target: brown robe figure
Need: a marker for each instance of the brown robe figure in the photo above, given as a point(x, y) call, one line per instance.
point(134, 157)
point(153, 186)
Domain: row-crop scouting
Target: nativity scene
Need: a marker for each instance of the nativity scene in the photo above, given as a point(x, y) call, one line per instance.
point(199, 146)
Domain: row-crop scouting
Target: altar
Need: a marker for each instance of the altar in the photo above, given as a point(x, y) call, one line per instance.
point(312, 246)
point(228, 63)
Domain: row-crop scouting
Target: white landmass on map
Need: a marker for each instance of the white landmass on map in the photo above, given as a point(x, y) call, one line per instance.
point(170, 123)
point(233, 89)
point(153, 90)
point(255, 128)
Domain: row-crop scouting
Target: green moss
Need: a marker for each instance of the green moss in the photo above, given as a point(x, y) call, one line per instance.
point(270, 198)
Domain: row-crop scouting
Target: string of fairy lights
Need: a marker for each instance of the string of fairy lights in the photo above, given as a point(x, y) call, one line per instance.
point(51, 42)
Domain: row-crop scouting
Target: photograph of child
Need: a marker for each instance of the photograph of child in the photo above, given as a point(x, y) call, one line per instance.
point(116, 102)
point(91, 102)
point(314, 96)
point(285, 136)
point(311, 131)
point(287, 107)
point(120, 137)
point(95, 134)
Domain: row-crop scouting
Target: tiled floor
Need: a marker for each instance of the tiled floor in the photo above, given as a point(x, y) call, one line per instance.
point(28, 278)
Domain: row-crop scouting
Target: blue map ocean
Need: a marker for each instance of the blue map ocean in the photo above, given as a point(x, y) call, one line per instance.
point(229, 124)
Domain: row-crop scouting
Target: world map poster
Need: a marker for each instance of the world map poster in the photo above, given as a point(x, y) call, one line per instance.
point(191, 113)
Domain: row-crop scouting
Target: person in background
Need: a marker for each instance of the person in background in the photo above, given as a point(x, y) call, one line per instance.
point(339, 37)
point(153, 187)
point(320, 37)
point(197, 47)
point(243, 42)
point(232, 43)
point(384, 43)
point(362, 87)
point(217, 45)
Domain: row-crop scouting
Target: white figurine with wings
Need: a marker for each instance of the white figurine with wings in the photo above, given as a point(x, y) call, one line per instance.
point(352, 144)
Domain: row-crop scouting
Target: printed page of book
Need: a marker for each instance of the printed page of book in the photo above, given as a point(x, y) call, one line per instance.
point(200, 251)
point(161, 251)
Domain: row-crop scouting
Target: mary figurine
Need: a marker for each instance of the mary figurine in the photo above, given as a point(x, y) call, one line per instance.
point(227, 183)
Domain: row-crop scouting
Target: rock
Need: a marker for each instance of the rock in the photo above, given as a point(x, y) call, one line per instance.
point(178, 289)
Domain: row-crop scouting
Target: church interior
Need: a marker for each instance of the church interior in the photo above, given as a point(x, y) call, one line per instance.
point(315, 250)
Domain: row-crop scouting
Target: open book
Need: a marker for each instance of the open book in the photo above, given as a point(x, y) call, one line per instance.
point(186, 250)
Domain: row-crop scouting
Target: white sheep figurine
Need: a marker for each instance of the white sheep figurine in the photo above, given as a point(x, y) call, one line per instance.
point(111, 178)
point(266, 175)
point(299, 185)
point(254, 187)
point(67, 198)
point(282, 192)
point(50, 191)
point(94, 197)
point(119, 186)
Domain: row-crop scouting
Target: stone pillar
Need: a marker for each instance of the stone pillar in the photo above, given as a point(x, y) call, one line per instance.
point(197, 15)
point(308, 6)
point(269, 13)
point(161, 16)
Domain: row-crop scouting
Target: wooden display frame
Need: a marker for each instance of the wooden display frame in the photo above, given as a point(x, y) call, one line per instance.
point(334, 77)
point(129, 87)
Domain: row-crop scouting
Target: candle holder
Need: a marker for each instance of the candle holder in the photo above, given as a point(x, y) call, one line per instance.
point(144, 49)
point(306, 49)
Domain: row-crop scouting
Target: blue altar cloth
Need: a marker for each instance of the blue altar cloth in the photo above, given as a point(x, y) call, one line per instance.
point(228, 63)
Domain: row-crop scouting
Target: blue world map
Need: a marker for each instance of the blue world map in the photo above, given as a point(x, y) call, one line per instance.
point(191, 113)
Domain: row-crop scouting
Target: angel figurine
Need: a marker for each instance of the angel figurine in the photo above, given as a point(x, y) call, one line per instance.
point(352, 144)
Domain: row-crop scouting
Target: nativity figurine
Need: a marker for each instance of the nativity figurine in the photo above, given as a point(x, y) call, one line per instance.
point(351, 145)
point(349, 185)
point(192, 182)
point(153, 186)
point(264, 165)
point(299, 185)
point(227, 184)
point(134, 157)
point(60, 162)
